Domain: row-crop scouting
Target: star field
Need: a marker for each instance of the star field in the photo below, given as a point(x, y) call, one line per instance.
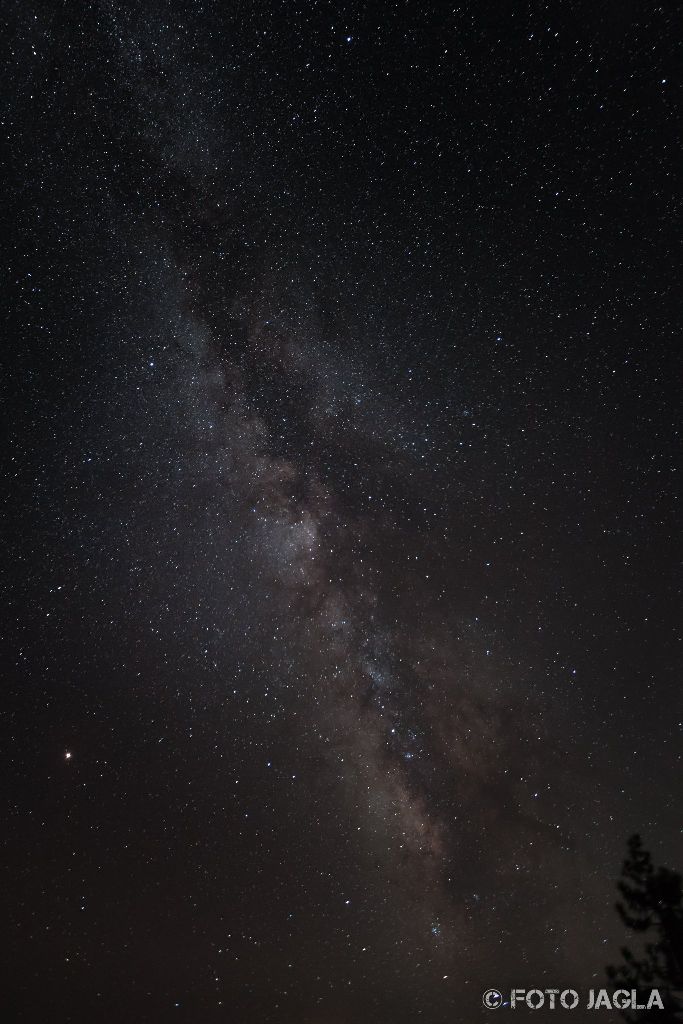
point(341, 597)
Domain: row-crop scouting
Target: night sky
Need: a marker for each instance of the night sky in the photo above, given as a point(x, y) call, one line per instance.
point(341, 378)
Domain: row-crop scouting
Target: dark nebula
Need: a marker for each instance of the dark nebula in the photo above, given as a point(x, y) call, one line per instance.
point(341, 597)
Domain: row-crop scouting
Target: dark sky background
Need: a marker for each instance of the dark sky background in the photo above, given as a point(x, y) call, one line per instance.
point(341, 376)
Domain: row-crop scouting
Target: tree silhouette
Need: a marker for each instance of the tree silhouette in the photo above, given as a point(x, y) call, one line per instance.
point(652, 906)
